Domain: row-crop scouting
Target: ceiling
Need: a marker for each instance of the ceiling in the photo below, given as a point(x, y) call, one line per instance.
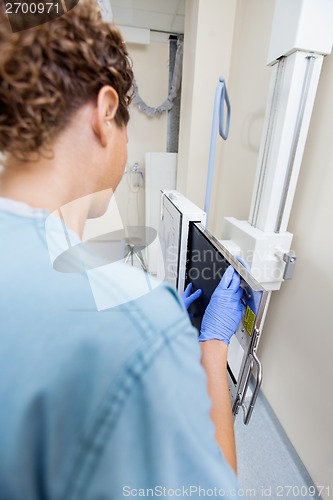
point(156, 15)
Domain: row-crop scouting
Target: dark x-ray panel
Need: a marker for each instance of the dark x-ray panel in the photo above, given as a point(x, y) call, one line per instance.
point(207, 260)
point(204, 269)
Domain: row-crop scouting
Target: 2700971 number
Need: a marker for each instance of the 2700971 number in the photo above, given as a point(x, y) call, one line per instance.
point(301, 491)
point(31, 8)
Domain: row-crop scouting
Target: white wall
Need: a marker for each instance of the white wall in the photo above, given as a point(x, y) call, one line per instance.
point(297, 343)
point(151, 69)
point(207, 53)
point(236, 159)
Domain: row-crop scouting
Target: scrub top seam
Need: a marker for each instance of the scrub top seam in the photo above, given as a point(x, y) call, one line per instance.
point(92, 446)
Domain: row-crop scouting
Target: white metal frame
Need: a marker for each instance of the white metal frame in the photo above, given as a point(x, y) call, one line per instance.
point(296, 58)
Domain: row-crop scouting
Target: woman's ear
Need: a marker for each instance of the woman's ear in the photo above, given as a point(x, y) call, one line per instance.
point(104, 113)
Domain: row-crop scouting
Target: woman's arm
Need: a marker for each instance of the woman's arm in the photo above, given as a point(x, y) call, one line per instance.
point(214, 360)
point(220, 321)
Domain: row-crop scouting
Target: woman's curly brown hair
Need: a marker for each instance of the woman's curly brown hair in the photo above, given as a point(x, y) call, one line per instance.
point(48, 72)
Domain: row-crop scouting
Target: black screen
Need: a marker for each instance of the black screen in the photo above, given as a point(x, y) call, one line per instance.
point(205, 267)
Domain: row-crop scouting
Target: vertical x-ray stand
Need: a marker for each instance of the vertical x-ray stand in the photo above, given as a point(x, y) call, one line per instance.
point(263, 241)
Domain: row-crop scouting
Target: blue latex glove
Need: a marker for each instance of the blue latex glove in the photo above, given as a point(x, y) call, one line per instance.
point(224, 311)
point(188, 298)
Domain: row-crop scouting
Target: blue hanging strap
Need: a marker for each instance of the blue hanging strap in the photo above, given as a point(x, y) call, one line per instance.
point(220, 104)
point(224, 99)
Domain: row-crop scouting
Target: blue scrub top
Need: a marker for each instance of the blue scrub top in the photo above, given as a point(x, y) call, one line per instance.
point(97, 404)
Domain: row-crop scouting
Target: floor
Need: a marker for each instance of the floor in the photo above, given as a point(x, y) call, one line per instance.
point(268, 465)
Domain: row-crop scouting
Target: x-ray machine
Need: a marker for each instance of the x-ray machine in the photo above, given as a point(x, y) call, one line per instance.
point(191, 253)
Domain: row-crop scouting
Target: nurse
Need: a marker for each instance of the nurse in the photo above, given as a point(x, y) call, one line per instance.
point(94, 404)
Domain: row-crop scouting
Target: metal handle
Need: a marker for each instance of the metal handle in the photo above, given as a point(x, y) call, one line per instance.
point(290, 260)
point(247, 410)
point(251, 359)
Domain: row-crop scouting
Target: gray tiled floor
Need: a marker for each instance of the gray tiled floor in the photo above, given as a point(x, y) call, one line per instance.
point(268, 465)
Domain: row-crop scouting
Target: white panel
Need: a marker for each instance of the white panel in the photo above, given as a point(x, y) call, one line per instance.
point(165, 6)
point(306, 25)
point(181, 8)
point(177, 25)
point(280, 138)
point(160, 173)
point(168, 6)
point(153, 20)
point(139, 36)
point(169, 233)
point(106, 11)
point(123, 16)
point(235, 355)
point(163, 15)
point(174, 218)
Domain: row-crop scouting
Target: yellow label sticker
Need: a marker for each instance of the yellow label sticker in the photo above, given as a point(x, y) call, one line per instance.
point(249, 320)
